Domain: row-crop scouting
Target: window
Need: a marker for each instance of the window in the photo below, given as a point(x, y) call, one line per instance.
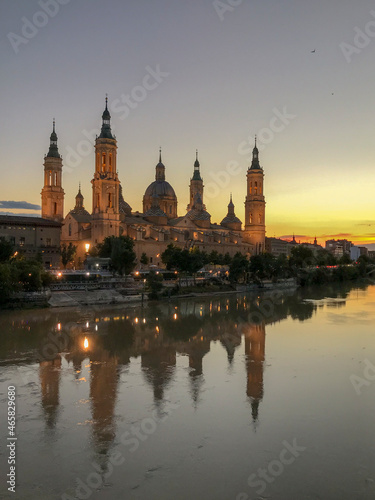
point(55, 208)
point(103, 162)
point(170, 209)
point(110, 162)
point(55, 181)
point(256, 187)
point(110, 200)
point(22, 241)
point(251, 188)
point(48, 242)
point(97, 200)
point(70, 229)
point(150, 260)
point(251, 218)
point(50, 178)
point(260, 219)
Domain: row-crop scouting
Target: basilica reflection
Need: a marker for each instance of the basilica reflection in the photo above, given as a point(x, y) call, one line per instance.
point(107, 342)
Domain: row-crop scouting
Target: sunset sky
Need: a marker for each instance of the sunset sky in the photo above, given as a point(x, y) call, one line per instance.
point(225, 71)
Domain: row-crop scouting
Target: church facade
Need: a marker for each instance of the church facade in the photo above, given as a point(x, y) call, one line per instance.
point(158, 224)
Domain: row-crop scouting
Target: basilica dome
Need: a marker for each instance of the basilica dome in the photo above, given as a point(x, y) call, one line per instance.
point(161, 189)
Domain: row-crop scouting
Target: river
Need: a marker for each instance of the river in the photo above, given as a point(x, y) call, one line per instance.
point(233, 397)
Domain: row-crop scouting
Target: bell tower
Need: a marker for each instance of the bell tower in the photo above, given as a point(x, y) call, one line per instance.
point(196, 184)
point(52, 192)
point(105, 184)
point(255, 205)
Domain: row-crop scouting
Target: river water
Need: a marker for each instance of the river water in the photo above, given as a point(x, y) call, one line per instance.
point(233, 397)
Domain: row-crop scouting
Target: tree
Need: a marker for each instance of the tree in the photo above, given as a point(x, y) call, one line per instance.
point(171, 257)
point(238, 268)
point(144, 259)
point(301, 256)
point(154, 285)
point(262, 266)
point(6, 250)
point(325, 258)
point(67, 254)
point(123, 257)
point(345, 259)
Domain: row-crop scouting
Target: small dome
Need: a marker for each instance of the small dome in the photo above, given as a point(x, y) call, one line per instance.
point(195, 214)
point(155, 212)
point(161, 189)
point(230, 219)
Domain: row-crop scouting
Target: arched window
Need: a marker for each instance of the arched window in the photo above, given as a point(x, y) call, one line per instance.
point(251, 188)
point(109, 200)
point(103, 162)
point(97, 200)
point(251, 218)
point(256, 187)
point(70, 230)
point(170, 209)
point(50, 178)
point(55, 181)
point(110, 162)
point(55, 208)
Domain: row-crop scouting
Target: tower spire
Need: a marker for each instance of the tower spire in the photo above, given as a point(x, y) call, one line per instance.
point(53, 150)
point(196, 174)
point(106, 132)
point(255, 162)
point(160, 169)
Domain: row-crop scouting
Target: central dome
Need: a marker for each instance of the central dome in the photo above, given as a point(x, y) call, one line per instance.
point(160, 188)
point(164, 192)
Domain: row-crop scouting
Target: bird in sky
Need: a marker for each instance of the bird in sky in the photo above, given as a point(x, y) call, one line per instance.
point(313, 51)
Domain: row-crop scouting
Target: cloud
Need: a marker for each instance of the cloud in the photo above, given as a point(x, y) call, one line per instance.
point(19, 204)
point(20, 214)
point(290, 236)
point(339, 235)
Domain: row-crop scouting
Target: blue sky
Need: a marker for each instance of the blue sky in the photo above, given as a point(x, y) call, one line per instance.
point(227, 71)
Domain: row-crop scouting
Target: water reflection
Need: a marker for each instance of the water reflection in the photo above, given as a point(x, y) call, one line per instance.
point(49, 373)
point(109, 339)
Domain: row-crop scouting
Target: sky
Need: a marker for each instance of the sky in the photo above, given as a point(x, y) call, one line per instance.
point(206, 75)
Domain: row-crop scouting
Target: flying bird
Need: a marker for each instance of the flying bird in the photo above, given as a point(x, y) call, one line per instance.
point(313, 51)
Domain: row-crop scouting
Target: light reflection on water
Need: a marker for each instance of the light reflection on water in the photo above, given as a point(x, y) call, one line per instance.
point(188, 399)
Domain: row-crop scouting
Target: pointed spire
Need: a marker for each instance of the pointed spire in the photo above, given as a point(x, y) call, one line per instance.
point(255, 163)
point(106, 132)
point(196, 174)
point(53, 150)
point(79, 199)
point(160, 169)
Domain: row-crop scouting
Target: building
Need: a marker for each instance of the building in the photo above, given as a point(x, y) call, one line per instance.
point(278, 247)
point(339, 247)
point(255, 205)
point(159, 224)
point(33, 237)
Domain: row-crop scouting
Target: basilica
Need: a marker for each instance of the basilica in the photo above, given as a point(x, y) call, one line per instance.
point(159, 223)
